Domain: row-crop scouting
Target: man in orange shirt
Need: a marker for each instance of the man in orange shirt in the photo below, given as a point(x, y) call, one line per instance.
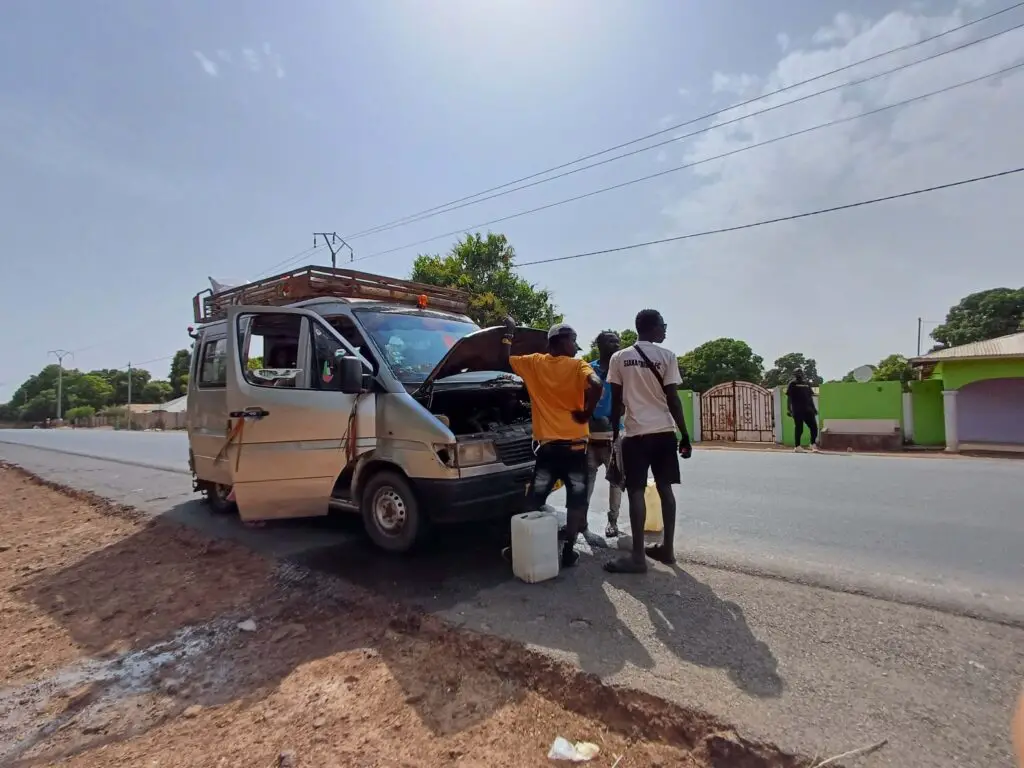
point(563, 394)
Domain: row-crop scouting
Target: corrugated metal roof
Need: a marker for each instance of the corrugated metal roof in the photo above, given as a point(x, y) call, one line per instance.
point(175, 406)
point(1004, 346)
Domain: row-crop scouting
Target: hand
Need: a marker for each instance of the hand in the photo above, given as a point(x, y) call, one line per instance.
point(789, 414)
point(581, 417)
point(509, 323)
point(685, 449)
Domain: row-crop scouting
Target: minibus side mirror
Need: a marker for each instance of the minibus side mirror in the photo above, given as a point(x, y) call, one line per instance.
point(350, 374)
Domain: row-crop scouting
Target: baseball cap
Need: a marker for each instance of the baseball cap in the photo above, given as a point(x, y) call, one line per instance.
point(562, 329)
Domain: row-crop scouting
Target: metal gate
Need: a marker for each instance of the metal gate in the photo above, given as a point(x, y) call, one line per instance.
point(737, 411)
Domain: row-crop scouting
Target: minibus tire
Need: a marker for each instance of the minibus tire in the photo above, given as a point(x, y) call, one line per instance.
point(217, 498)
point(389, 483)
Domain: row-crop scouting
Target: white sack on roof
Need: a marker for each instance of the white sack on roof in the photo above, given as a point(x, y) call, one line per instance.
point(219, 286)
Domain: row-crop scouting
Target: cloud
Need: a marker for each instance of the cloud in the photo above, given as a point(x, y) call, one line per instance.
point(209, 67)
point(783, 40)
point(845, 288)
point(252, 59)
point(224, 56)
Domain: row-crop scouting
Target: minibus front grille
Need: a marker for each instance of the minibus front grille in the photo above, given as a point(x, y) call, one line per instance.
point(517, 451)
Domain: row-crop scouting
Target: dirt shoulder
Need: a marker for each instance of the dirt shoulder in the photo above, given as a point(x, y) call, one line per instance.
point(127, 642)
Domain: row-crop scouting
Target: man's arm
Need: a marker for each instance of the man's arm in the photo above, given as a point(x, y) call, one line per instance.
point(616, 409)
point(591, 395)
point(789, 399)
point(675, 407)
point(506, 345)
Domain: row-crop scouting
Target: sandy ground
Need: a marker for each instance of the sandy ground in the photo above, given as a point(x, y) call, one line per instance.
point(127, 642)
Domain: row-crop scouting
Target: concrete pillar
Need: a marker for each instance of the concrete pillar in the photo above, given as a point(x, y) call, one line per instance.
point(949, 417)
point(908, 417)
point(695, 417)
point(778, 411)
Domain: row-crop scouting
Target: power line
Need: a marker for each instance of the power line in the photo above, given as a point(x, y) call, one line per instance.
point(736, 228)
point(301, 254)
point(676, 169)
point(778, 220)
point(446, 207)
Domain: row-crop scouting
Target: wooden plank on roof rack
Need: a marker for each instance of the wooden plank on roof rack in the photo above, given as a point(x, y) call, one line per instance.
point(315, 282)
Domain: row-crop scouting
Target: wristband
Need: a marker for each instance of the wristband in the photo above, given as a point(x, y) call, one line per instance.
point(507, 340)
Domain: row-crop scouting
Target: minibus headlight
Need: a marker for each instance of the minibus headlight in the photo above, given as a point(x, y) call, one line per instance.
point(476, 453)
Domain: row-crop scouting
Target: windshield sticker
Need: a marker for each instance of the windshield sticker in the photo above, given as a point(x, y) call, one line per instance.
point(449, 340)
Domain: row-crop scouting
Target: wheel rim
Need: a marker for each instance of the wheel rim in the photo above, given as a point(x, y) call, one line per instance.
point(221, 492)
point(389, 511)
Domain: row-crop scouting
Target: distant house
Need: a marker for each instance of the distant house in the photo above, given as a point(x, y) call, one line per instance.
point(983, 392)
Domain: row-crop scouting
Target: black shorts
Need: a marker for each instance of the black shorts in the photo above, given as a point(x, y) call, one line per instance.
point(560, 461)
point(657, 453)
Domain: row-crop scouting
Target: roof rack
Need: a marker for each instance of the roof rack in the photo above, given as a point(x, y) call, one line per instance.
point(315, 282)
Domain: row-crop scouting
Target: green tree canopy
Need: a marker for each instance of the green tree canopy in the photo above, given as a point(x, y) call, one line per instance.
point(483, 267)
point(36, 398)
point(627, 338)
point(983, 315)
point(178, 376)
point(787, 365)
point(717, 361)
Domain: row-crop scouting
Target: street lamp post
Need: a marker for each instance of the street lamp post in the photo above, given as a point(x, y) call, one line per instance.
point(60, 354)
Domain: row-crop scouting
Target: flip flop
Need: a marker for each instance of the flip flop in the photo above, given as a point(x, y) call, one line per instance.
point(624, 565)
point(657, 553)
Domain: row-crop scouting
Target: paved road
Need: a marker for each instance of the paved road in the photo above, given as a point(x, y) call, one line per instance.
point(814, 670)
point(932, 531)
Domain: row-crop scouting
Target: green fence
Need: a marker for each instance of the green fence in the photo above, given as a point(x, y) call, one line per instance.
point(927, 407)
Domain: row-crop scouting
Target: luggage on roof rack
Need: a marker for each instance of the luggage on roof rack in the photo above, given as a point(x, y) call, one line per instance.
point(315, 282)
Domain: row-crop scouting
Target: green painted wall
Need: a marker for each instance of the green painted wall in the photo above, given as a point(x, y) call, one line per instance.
point(956, 374)
point(929, 418)
point(871, 400)
point(689, 402)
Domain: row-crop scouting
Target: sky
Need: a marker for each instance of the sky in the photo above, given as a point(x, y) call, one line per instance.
point(147, 146)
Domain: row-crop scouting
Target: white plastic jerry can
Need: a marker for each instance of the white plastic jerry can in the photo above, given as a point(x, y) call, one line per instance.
point(535, 546)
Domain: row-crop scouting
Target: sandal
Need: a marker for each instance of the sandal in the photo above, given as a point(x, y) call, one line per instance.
point(625, 565)
point(660, 554)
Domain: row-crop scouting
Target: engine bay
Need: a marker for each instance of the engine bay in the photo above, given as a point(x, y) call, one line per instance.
point(497, 409)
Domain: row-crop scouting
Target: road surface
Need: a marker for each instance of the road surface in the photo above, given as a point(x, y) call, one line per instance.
point(815, 670)
point(926, 530)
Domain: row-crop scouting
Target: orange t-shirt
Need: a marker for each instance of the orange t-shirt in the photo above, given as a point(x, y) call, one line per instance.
point(556, 386)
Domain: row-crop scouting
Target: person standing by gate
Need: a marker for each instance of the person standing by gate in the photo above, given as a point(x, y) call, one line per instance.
point(599, 453)
point(645, 380)
point(800, 407)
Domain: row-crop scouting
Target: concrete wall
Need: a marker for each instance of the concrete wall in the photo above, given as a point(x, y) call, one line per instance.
point(991, 411)
point(929, 423)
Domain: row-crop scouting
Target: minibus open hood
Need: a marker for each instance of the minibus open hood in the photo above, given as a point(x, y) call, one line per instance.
point(483, 351)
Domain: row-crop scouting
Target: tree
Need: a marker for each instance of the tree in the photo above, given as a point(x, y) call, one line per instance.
point(178, 377)
point(787, 365)
point(983, 315)
point(627, 338)
point(80, 412)
point(891, 368)
point(720, 360)
point(254, 363)
point(88, 390)
point(156, 391)
point(484, 268)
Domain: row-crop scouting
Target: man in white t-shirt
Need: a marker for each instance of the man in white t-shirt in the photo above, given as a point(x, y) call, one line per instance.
point(645, 380)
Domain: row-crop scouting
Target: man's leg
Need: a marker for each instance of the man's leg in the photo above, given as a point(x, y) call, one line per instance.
point(798, 428)
point(636, 463)
point(573, 472)
point(614, 505)
point(665, 467)
point(812, 425)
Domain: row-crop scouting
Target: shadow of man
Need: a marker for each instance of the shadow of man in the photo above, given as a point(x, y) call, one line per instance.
point(700, 628)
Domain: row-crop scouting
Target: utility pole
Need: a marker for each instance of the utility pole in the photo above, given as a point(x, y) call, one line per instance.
point(60, 354)
point(331, 240)
point(129, 409)
point(919, 337)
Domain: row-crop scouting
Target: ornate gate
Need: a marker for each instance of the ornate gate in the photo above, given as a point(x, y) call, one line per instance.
point(737, 411)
